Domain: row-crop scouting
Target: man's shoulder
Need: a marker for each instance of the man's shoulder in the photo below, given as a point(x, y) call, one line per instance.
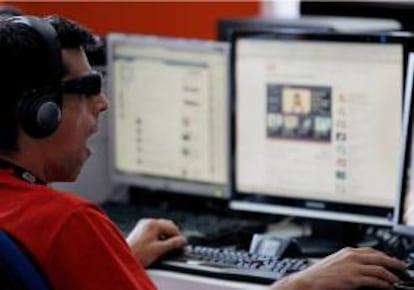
point(62, 204)
point(68, 197)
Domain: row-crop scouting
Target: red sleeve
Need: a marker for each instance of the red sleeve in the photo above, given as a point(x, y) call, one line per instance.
point(90, 253)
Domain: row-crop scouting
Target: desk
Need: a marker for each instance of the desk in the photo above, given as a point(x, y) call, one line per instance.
point(168, 280)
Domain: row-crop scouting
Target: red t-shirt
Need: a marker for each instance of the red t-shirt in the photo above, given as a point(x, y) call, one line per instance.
point(73, 242)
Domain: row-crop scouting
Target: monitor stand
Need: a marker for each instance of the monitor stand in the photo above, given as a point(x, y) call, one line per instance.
point(328, 237)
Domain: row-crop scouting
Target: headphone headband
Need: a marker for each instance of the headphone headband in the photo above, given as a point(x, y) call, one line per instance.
point(51, 42)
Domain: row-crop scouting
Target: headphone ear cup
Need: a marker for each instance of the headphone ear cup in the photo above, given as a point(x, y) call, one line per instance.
point(39, 116)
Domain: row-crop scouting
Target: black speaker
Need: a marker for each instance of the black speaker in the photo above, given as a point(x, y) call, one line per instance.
point(39, 111)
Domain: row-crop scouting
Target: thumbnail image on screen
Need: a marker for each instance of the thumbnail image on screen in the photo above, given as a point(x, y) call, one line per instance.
point(299, 112)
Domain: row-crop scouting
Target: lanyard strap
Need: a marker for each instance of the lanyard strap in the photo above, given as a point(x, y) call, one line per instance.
point(20, 172)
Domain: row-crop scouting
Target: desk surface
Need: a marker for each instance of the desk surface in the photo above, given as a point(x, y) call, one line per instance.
point(168, 280)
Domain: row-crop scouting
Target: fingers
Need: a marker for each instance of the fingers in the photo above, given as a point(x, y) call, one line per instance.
point(361, 267)
point(150, 230)
point(170, 236)
point(378, 272)
point(172, 243)
point(374, 283)
point(151, 238)
point(163, 228)
point(370, 256)
point(376, 267)
point(167, 227)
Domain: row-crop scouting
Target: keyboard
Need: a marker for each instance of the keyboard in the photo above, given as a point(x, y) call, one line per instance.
point(200, 228)
point(228, 263)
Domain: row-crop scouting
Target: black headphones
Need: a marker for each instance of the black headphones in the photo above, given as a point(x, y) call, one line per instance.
point(40, 110)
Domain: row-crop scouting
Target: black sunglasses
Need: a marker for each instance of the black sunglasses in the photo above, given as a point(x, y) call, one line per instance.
point(88, 85)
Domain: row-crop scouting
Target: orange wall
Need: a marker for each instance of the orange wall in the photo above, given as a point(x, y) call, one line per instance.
point(182, 19)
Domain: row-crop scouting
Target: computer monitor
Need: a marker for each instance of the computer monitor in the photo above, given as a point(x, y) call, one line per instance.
point(400, 11)
point(225, 27)
point(404, 214)
point(169, 125)
point(318, 123)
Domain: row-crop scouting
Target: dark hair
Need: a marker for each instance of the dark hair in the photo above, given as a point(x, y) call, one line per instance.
point(22, 58)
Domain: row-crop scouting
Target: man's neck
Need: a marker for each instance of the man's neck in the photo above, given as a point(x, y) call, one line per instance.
point(29, 164)
point(20, 172)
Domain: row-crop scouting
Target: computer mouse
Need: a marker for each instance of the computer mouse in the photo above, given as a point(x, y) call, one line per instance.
point(403, 275)
point(404, 285)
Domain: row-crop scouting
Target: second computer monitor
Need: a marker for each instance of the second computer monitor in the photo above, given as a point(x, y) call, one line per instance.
point(317, 125)
point(170, 120)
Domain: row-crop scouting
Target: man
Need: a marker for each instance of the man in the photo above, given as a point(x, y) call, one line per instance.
point(50, 104)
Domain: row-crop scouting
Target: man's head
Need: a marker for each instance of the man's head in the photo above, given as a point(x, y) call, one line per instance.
point(50, 97)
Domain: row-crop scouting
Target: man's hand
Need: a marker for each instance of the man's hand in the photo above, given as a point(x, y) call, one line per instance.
point(152, 238)
point(346, 270)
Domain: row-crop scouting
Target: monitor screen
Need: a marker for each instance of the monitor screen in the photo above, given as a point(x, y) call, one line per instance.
point(170, 121)
point(404, 209)
point(317, 124)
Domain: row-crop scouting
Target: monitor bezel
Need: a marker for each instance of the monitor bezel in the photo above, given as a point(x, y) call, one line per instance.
point(404, 179)
point(300, 207)
point(162, 183)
